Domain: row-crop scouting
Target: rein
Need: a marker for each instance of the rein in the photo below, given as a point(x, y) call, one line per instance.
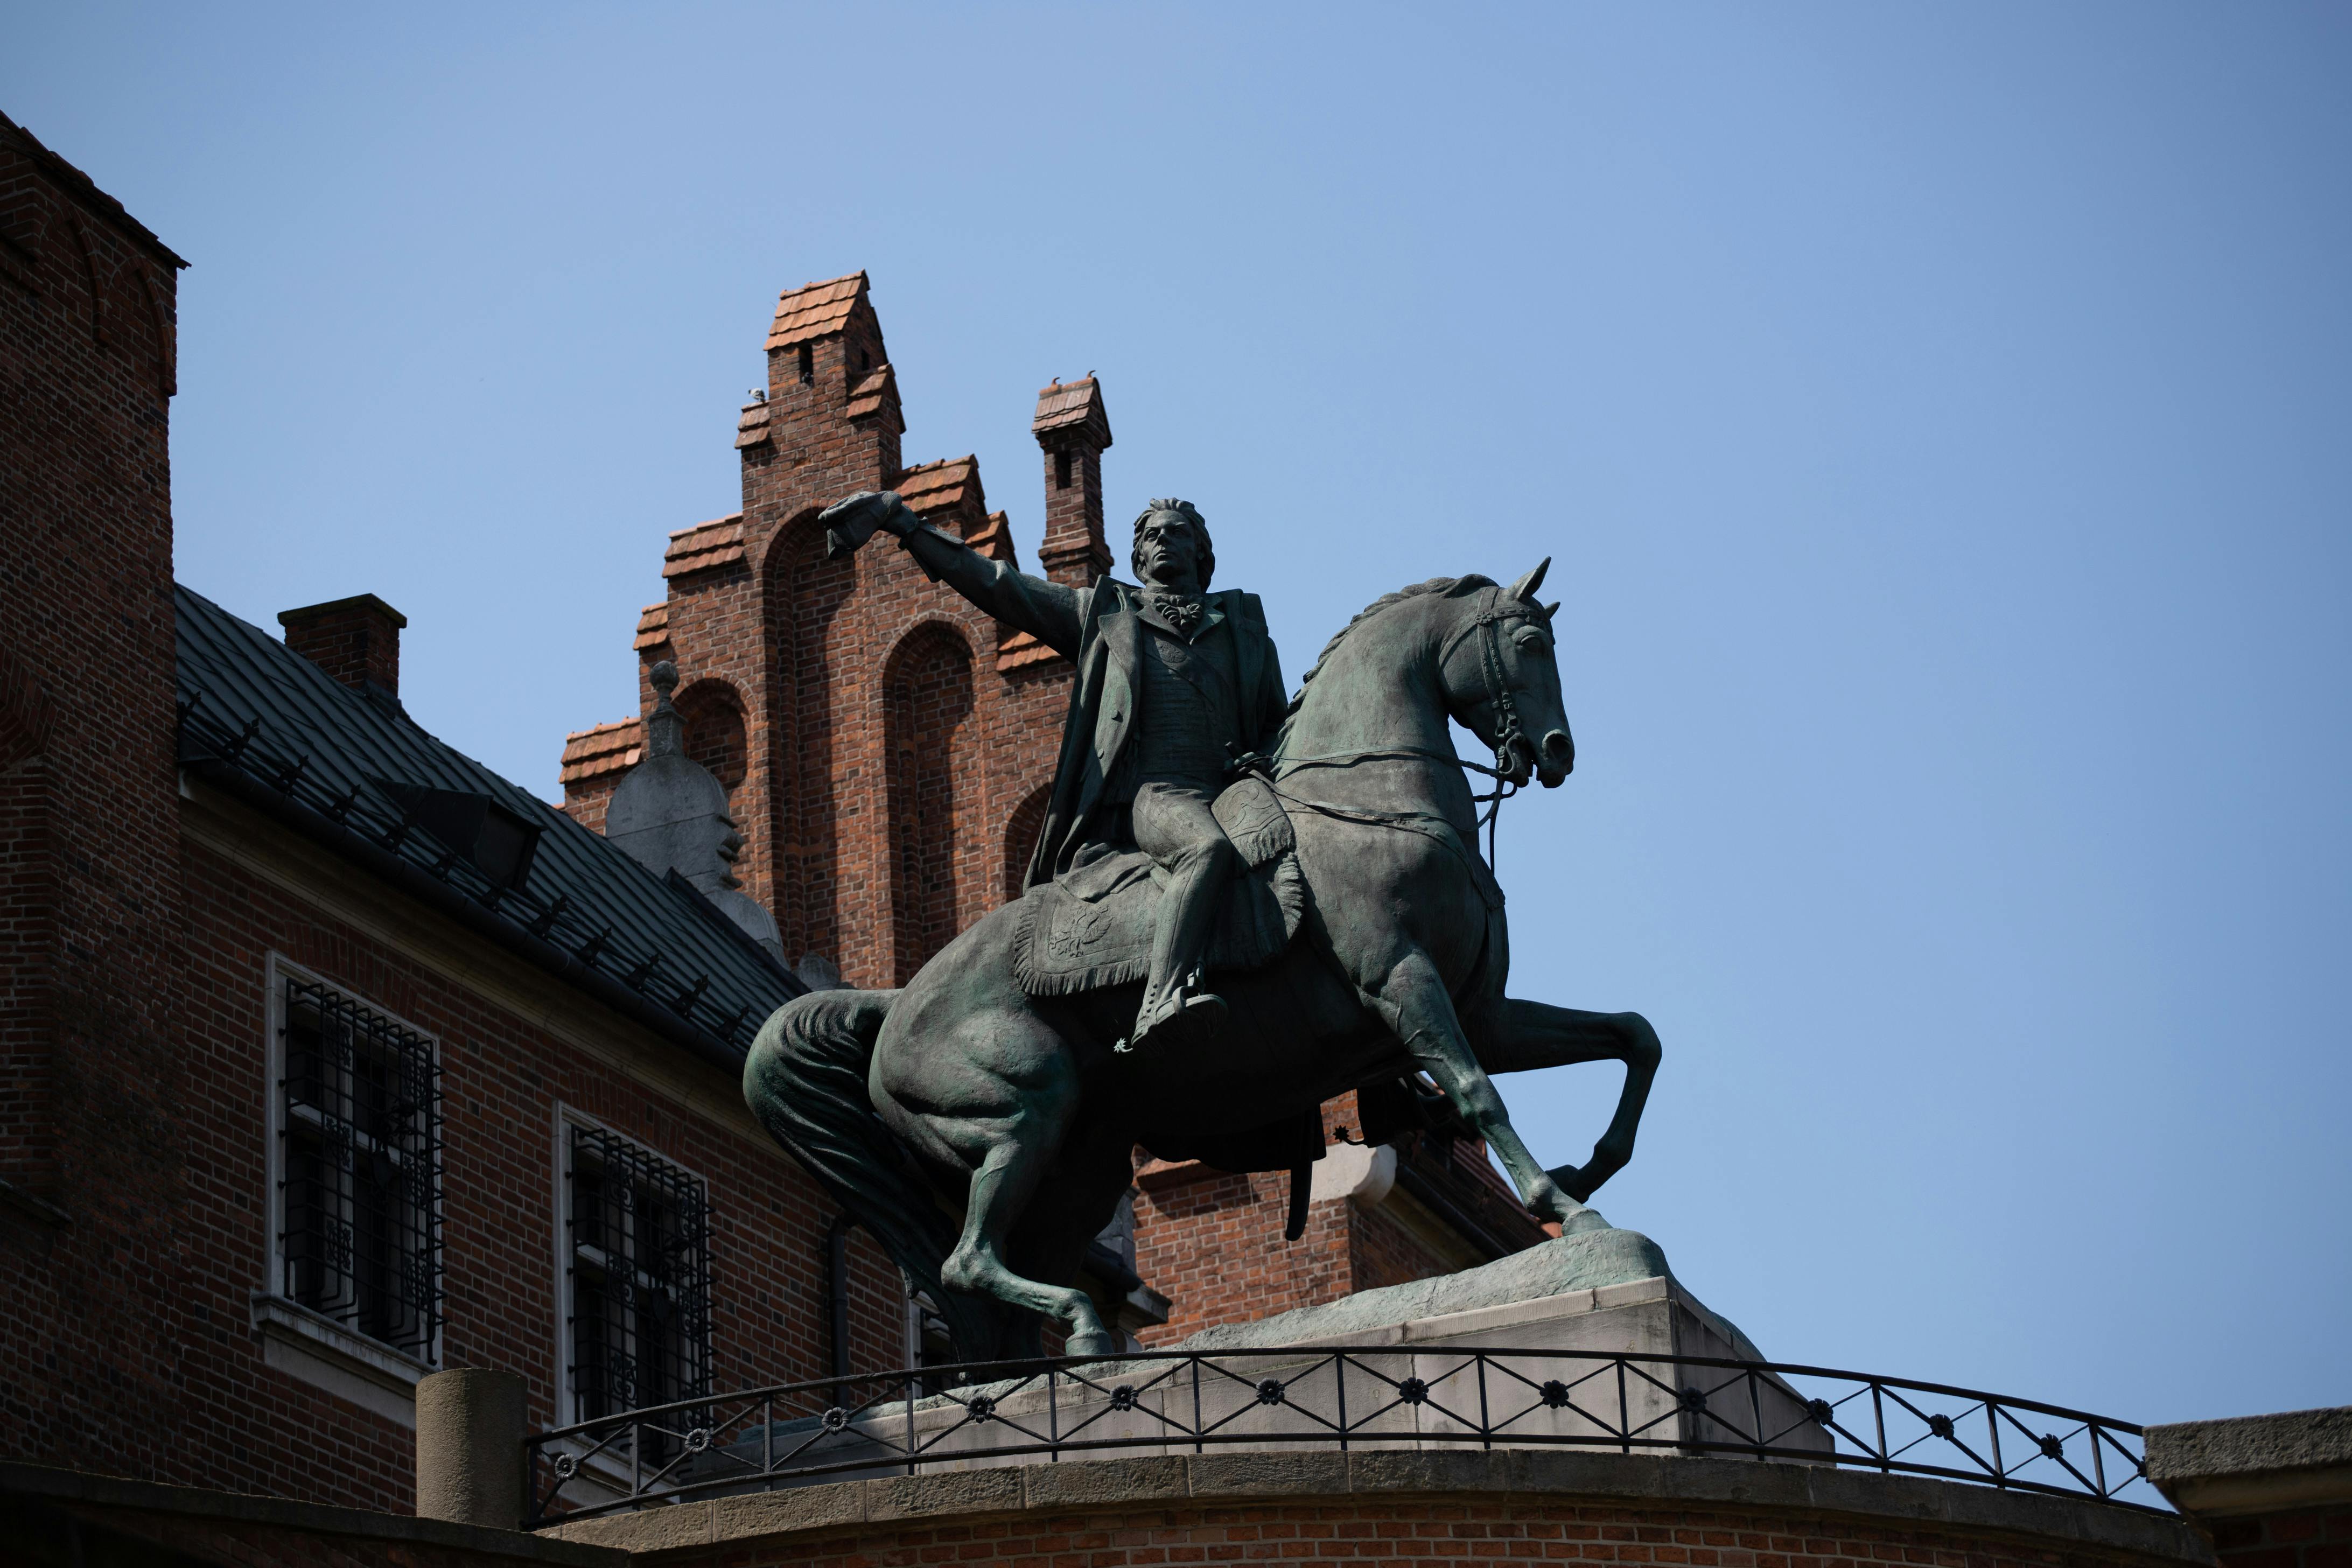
point(1508, 731)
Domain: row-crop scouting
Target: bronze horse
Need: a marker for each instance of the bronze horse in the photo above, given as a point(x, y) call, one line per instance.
point(963, 1094)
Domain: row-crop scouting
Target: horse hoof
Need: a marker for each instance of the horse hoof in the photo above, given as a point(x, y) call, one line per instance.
point(1097, 1344)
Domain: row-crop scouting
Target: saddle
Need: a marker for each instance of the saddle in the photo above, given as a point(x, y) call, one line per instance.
point(1092, 928)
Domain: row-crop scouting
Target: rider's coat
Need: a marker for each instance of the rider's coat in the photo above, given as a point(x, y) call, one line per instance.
point(1099, 629)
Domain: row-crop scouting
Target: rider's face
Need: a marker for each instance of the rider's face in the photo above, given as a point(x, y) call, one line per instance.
point(1170, 550)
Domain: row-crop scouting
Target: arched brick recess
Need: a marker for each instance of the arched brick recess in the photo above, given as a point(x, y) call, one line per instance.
point(803, 594)
point(713, 712)
point(1021, 830)
point(927, 703)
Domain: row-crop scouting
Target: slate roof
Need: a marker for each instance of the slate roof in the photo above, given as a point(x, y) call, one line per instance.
point(814, 310)
point(264, 722)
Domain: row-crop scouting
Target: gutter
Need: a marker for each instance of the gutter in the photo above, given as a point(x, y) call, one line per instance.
point(439, 896)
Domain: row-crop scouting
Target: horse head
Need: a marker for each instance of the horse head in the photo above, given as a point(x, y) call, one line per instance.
point(1501, 674)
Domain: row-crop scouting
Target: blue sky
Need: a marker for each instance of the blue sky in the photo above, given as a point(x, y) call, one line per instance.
point(1937, 417)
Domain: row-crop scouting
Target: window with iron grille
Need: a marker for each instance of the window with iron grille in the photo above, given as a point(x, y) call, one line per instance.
point(637, 1271)
point(359, 1169)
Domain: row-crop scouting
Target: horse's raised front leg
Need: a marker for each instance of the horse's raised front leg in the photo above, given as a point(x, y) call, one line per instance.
point(1411, 1000)
point(1519, 1036)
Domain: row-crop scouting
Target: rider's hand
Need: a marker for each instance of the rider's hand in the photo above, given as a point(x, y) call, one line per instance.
point(850, 523)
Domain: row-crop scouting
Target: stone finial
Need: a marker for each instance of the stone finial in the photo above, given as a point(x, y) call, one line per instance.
point(669, 814)
point(665, 730)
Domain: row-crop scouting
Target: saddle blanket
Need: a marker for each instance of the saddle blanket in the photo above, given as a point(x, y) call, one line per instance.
point(1093, 926)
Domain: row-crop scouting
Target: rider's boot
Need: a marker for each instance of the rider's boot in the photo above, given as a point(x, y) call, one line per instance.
point(1177, 1012)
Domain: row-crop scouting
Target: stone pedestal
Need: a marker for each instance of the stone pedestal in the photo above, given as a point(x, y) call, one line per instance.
point(1553, 1322)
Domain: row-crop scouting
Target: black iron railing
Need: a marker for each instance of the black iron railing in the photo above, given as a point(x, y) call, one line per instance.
point(908, 1422)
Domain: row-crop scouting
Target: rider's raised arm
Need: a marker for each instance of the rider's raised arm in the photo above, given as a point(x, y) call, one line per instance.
point(1051, 613)
point(1046, 611)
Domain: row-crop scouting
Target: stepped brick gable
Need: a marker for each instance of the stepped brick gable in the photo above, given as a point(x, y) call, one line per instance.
point(895, 742)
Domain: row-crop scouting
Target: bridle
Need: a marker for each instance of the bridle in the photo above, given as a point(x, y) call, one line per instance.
point(1508, 731)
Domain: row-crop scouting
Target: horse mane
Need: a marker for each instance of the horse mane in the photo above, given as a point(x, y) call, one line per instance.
point(1440, 585)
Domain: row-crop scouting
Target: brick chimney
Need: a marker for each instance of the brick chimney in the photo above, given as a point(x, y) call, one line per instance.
point(1073, 428)
point(356, 640)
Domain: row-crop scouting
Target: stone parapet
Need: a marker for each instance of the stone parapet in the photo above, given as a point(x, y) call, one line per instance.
point(2249, 1464)
point(2269, 1491)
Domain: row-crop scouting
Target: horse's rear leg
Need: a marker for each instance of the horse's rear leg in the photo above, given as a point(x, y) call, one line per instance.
point(1001, 1186)
point(1001, 1106)
point(1519, 1036)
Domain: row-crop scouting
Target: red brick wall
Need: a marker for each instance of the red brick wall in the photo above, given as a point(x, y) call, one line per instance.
point(1213, 1242)
point(28, 895)
point(2291, 1538)
point(1408, 1532)
point(247, 1426)
point(90, 1326)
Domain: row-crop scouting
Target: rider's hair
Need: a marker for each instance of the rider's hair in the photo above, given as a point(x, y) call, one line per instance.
point(1191, 514)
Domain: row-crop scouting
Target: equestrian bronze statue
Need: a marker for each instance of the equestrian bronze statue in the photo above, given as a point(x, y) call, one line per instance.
point(1238, 908)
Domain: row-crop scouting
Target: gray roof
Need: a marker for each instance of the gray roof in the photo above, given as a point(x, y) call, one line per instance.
point(265, 724)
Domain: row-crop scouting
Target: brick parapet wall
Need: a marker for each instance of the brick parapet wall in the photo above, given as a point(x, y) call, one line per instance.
point(1403, 1507)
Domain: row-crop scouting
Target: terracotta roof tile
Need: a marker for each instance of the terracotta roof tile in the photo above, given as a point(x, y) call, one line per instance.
point(877, 393)
point(653, 626)
point(1020, 650)
point(606, 750)
point(752, 428)
point(814, 310)
point(718, 543)
point(993, 539)
point(932, 487)
point(1072, 404)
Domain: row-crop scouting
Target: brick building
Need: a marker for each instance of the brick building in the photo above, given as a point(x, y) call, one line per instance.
point(327, 1057)
point(888, 749)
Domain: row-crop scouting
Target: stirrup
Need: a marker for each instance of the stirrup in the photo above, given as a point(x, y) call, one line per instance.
point(1186, 1018)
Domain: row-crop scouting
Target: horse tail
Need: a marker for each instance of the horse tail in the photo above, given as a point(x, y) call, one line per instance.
point(805, 1082)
